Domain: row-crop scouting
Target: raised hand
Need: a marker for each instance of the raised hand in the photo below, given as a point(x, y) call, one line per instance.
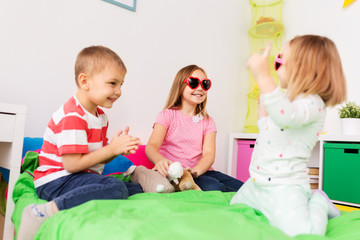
point(258, 63)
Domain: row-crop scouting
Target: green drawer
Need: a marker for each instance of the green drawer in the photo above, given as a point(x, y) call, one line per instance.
point(342, 171)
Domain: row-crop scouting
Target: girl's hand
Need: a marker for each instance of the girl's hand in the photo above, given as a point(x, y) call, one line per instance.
point(194, 172)
point(259, 65)
point(124, 144)
point(162, 167)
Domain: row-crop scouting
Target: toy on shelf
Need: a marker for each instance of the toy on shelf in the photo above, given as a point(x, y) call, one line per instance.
point(266, 27)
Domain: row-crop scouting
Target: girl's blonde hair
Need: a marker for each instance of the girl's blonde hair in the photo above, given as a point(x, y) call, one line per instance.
point(175, 96)
point(314, 67)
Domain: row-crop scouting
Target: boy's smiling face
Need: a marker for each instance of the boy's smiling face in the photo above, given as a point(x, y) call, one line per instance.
point(102, 88)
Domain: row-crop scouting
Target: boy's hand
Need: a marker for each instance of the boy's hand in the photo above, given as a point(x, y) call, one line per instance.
point(124, 144)
point(162, 167)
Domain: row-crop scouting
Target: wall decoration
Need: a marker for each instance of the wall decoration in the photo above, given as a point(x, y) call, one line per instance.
point(347, 2)
point(127, 4)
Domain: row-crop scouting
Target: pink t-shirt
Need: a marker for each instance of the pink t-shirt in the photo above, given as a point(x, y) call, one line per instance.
point(185, 136)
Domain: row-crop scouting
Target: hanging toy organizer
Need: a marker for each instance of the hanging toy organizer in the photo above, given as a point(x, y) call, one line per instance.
point(266, 26)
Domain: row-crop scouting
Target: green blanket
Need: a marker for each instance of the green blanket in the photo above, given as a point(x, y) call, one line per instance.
point(181, 215)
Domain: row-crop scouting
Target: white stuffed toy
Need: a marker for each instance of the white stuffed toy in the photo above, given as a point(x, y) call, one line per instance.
point(181, 179)
point(151, 181)
point(175, 172)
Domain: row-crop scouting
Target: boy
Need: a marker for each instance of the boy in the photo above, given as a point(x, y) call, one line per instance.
point(75, 144)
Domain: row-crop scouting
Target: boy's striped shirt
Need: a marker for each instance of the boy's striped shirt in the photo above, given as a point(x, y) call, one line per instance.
point(71, 129)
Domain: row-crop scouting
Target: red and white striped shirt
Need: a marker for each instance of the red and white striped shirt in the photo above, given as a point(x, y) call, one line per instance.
point(71, 129)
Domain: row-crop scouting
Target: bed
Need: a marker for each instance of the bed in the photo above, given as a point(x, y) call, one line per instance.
point(181, 215)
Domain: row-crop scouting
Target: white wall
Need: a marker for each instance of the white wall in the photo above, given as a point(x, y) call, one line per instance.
point(40, 40)
point(328, 18)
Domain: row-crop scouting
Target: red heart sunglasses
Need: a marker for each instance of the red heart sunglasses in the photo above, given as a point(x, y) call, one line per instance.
point(193, 83)
point(278, 62)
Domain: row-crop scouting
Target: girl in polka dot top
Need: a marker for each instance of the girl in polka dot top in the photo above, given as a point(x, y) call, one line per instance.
point(289, 122)
point(184, 132)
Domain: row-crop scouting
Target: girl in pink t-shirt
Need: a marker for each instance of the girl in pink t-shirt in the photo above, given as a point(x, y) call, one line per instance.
point(185, 133)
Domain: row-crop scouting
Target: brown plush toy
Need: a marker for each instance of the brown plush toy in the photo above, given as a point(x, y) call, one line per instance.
point(181, 179)
point(149, 180)
point(152, 181)
point(186, 183)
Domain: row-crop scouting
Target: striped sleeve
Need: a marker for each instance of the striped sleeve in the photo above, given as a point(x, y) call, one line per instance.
point(71, 135)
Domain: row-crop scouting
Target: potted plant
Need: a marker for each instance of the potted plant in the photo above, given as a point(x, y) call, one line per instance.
point(350, 118)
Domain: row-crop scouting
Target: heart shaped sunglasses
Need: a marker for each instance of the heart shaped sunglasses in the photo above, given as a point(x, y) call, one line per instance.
point(194, 82)
point(278, 62)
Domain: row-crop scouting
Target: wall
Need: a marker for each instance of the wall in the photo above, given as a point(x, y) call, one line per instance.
point(40, 40)
point(42, 37)
point(328, 18)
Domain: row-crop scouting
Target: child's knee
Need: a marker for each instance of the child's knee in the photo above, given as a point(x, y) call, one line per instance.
point(119, 189)
point(211, 186)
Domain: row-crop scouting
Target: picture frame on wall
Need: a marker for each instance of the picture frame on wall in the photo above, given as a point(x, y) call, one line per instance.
point(127, 4)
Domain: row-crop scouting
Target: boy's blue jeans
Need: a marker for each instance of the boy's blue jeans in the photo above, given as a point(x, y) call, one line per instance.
point(217, 181)
point(75, 189)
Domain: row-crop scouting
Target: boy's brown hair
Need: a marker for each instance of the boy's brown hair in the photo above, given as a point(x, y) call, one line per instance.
point(314, 67)
point(175, 96)
point(93, 59)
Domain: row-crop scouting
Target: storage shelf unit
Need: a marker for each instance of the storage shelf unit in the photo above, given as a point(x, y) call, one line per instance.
point(233, 150)
point(12, 124)
point(317, 159)
point(352, 172)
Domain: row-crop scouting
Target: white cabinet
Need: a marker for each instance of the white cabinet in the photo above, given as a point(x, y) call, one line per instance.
point(12, 124)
